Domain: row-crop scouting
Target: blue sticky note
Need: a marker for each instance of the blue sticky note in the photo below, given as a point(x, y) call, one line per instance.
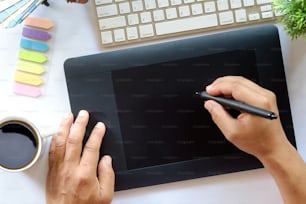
point(34, 45)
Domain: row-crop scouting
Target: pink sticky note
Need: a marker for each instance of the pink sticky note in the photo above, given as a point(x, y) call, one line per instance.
point(27, 90)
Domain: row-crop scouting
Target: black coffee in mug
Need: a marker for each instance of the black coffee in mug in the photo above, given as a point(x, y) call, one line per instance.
point(18, 144)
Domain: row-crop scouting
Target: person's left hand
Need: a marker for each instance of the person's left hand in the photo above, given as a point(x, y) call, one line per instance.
point(72, 175)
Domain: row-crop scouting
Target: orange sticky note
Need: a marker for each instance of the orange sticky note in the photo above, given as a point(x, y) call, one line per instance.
point(36, 22)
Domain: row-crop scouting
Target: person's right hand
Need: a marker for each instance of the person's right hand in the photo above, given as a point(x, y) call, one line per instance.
point(253, 134)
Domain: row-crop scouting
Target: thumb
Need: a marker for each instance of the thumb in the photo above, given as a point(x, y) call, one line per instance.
point(220, 116)
point(106, 177)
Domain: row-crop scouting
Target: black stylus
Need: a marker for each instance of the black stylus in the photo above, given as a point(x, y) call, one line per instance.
point(231, 103)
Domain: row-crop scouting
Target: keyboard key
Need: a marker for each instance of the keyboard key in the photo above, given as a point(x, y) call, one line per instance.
point(247, 3)
point(264, 1)
point(196, 9)
point(162, 3)
point(209, 7)
point(266, 8)
point(132, 33)
point(106, 37)
point(113, 22)
point(119, 35)
point(188, 1)
point(186, 24)
point(124, 8)
point(222, 5)
point(171, 13)
point(145, 17)
point(133, 19)
point(184, 11)
point(146, 31)
point(98, 2)
point(267, 14)
point(254, 16)
point(150, 4)
point(107, 10)
point(137, 6)
point(226, 18)
point(235, 4)
point(158, 15)
point(240, 15)
point(175, 2)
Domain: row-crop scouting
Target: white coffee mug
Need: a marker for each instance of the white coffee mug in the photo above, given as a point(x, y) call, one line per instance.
point(21, 144)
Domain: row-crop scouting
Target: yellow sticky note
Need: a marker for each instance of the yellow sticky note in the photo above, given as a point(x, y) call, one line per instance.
point(30, 67)
point(32, 56)
point(26, 78)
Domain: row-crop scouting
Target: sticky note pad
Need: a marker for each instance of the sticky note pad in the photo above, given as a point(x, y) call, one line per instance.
point(29, 79)
point(36, 22)
point(34, 45)
point(36, 34)
point(29, 67)
point(26, 90)
point(32, 56)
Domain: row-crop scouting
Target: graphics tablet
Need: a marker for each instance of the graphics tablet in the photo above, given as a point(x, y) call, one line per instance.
point(157, 128)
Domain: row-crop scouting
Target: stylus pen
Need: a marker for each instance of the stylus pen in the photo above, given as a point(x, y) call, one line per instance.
point(231, 103)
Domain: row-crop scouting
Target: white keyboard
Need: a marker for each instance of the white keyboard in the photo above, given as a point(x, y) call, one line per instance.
point(122, 22)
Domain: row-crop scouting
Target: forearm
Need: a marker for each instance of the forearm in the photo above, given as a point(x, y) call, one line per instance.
point(289, 171)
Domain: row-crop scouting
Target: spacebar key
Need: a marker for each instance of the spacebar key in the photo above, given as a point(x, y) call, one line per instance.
point(186, 24)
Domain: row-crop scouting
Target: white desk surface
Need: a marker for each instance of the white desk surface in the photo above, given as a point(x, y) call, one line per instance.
point(74, 34)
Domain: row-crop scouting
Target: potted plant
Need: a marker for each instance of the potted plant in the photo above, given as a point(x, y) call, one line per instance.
point(293, 16)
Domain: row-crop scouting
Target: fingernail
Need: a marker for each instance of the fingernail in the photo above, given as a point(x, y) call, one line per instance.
point(208, 87)
point(107, 160)
point(208, 106)
point(99, 125)
point(82, 113)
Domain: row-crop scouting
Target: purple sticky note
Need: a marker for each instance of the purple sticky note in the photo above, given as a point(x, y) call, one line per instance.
point(36, 34)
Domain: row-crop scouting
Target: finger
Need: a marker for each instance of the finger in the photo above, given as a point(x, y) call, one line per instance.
point(90, 155)
point(52, 149)
point(75, 138)
point(106, 178)
point(59, 140)
point(239, 88)
point(225, 122)
point(224, 85)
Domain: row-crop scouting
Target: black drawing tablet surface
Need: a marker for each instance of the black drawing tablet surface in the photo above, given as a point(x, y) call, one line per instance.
point(157, 128)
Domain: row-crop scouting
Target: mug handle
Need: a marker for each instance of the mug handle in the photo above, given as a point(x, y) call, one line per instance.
point(48, 133)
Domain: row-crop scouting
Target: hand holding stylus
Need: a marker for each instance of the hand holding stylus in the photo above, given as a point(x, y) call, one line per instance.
point(248, 132)
point(258, 136)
